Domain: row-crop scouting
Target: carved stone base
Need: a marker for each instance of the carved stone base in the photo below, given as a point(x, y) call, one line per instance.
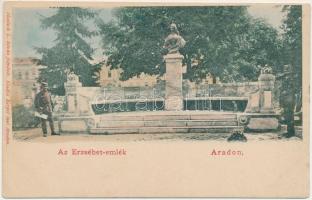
point(259, 122)
point(174, 103)
point(174, 97)
point(263, 124)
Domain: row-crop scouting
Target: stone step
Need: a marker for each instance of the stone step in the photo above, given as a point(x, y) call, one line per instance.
point(214, 117)
point(168, 117)
point(212, 123)
point(140, 130)
point(167, 123)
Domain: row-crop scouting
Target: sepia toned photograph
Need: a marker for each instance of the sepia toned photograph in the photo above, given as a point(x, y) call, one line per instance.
point(101, 81)
point(220, 73)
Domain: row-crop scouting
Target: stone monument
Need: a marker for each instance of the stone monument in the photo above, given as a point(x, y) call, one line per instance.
point(266, 87)
point(260, 114)
point(263, 101)
point(72, 97)
point(174, 96)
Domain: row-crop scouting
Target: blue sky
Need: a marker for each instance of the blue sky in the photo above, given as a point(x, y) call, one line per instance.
point(27, 32)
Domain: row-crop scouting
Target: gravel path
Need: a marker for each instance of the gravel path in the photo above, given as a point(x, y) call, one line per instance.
point(36, 135)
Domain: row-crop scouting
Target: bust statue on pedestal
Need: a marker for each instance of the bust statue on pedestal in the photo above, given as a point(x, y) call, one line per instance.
point(173, 43)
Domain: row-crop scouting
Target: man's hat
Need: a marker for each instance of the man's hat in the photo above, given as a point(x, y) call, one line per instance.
point(44, 84)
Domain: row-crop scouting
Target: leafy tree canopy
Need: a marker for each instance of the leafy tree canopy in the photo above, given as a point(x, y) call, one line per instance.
point(224, 41)
point(291, 88)
point(71, 50)
point(292, 42)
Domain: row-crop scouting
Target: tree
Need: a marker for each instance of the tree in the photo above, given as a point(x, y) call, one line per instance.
point(292, 80)
point(292, 43)
point(224, 41)
point(71, 50)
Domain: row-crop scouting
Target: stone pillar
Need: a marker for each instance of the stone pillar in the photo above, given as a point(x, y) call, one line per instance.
point(174, 96)
point(266, 87)
point(263, 104)
point(71, 93)
point(263, 101)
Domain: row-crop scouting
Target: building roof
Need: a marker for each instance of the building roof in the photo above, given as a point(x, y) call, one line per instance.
point(25, 61)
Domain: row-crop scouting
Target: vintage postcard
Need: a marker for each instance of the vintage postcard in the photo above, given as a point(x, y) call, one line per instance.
point(155, 99)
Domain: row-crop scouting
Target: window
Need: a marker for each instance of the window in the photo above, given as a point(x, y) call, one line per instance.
point(26, 75)
point(109, 74)
point(19, 76)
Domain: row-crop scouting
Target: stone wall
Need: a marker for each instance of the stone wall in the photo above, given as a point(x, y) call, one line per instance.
point(211, 90)
point(262, 95)
point(260, 114)
point(224, 90)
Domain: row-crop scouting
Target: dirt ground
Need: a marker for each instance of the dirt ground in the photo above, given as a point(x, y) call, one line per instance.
point(36, 135)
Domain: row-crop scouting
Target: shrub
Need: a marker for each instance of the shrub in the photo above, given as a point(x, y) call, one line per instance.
point(24, 118)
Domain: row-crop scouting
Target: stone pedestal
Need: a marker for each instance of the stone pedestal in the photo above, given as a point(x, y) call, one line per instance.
point(263, 100)
point(266, 87)
point(72, 97)
point(174, 72)
point(253, 105)
point(260, 115)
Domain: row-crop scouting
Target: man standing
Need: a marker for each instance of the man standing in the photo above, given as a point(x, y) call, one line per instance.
point(43, 105)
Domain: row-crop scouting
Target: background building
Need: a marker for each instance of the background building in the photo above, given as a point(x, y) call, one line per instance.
point(25, 76)
point(110, 77)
